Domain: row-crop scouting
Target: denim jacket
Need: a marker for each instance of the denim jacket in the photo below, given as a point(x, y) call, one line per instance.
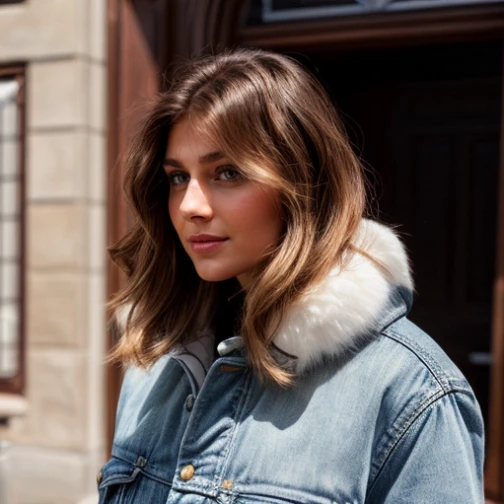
point(377, 412)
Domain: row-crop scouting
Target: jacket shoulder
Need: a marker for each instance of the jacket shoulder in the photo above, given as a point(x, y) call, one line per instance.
point(416, 377)
point(421, 351)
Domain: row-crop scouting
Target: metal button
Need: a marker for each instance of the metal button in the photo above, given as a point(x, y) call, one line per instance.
point(189, 403)
point(99, 477)
point(141, 462)
point(187, 472)
point(227, 484)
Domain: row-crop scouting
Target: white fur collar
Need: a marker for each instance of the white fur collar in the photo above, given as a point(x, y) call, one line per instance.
point(328, 320)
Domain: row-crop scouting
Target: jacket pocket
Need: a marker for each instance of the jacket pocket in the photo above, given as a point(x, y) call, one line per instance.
point(121, 482)
point(114, 479)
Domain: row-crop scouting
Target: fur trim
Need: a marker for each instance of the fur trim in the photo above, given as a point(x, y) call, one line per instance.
point(346, 306)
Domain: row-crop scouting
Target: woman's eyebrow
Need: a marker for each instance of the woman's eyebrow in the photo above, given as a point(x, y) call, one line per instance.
point(172, 162)
point(211, 157)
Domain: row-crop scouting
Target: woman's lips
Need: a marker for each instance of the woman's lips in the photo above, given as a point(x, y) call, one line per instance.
point(202, 243)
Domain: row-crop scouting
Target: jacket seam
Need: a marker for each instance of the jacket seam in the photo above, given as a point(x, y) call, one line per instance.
point(426, 361)
point(247, 390)
point(195, 388)
point(141, 470)
point(407, 427)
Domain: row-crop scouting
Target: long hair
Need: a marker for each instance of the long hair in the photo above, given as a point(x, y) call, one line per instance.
point(274, 121)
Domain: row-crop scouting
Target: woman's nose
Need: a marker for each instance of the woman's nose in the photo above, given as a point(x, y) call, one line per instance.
point(195, 204)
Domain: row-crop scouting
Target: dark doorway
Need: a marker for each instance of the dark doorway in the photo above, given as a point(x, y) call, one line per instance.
point(426, 120)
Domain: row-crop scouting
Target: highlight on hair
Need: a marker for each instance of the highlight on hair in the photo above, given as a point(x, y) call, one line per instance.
point(275, 122)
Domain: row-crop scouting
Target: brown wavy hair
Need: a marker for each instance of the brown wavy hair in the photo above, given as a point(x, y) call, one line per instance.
point(274, 120)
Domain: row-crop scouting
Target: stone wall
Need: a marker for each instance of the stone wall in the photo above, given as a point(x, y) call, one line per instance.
point(59, 445)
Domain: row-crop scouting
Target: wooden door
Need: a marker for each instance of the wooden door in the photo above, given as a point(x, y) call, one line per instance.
point(428, 123)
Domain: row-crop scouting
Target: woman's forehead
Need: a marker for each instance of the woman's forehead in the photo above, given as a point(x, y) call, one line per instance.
point(187, 142)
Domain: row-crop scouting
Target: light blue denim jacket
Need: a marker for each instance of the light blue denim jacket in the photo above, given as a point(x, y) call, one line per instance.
point(377, 413)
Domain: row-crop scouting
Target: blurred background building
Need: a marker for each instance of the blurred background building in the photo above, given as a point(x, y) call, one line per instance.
point(419, 84)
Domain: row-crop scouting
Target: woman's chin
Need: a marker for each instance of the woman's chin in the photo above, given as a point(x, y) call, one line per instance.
point(214, 275)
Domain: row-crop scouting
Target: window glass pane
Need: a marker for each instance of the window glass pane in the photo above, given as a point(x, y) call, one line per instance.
point(285, 10)
point(9, 157)
point(9, 198)
point(9, 238)
point(9, 120)
point(8, 281)
point(9, 229)
point(9, 330)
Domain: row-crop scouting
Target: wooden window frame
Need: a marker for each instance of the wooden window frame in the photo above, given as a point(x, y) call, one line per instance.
point(385, 30)
point(15, 385)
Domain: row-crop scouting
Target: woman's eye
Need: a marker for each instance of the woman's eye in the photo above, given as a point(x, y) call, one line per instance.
point(228, 173)
point(177, 178)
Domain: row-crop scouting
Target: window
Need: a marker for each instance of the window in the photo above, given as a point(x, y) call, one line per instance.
point(11, 229)
point(290, 10)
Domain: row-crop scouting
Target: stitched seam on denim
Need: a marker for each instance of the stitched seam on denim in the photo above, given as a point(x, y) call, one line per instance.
point(132, 479)
point(294, 495)
point(195, 417)
point(149, 475)
point(122, 459)
point(120, 497)
point(282, 497)
point(192, 381)
point(223, 461)
point(142, 470)
point(429, 361)
point(186, 438)
point(193, 489)
point(412, 419)
point(399, 425)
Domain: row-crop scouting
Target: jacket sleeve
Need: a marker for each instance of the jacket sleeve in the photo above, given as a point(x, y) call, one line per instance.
point(438, 460)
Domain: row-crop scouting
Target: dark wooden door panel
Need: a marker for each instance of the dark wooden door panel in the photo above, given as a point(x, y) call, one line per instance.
point(428, 122)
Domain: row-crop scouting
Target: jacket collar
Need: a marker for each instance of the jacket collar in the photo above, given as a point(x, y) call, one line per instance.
point(348, 308)
point(352, 304)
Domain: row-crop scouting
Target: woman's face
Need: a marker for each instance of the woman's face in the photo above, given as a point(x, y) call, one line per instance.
point(225, 222)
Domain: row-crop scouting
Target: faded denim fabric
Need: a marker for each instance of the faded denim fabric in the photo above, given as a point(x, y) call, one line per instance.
point(394, 423)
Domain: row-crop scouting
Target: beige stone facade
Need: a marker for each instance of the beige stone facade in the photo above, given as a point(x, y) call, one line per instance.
point(59, 444)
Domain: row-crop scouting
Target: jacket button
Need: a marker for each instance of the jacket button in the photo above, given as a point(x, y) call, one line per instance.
point(227, 484)
point(99, 477)
point(189, 403)
point(187, 472)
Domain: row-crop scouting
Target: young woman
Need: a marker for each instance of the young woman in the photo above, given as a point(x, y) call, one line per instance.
point(269, 355)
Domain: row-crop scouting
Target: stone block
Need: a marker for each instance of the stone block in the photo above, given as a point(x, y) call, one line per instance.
point(97, 348)
point(58, 398)
point(97, 223)
point(98, 30)
point(55, 236)
point(44, 476)
point(98, 97)
point(57, 165)
point(58, 94)
point(56, 309)
point(97, 183)
point(39, 28)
